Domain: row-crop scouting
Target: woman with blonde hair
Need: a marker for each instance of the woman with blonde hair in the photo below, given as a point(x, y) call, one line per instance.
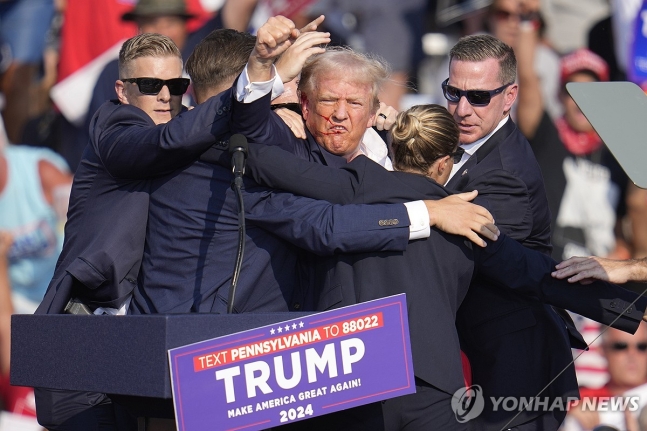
point(425, 141)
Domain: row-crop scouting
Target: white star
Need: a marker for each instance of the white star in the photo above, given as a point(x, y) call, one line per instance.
point(272, 331)
point(280, 329)
point(300, 324)
point(294, 326)
point(287, 328)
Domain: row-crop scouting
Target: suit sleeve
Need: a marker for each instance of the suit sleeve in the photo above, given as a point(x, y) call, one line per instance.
point(508, 200)
point(131, 146)
point(325, 229)
point(361, 181)
point(510, 265)
point(261, 125)
point(280, 169)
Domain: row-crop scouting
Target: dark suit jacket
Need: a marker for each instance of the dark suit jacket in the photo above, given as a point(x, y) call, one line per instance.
point(436, 272)
point(192, 240)
point(506, 173)
point(104, 233)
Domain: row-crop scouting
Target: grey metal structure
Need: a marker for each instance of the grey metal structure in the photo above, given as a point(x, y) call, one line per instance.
point(618, 113)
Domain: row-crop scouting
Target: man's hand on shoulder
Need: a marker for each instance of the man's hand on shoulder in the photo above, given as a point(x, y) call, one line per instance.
point(457, 215)
point(294, 122)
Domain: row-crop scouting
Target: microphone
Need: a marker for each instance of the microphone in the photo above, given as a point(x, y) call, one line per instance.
point(238, 152)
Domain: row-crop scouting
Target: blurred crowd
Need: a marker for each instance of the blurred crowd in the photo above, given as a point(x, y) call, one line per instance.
point(58, 65)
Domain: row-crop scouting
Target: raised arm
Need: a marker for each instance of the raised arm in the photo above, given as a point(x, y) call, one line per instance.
point(272, 39)
point(251, 111)
point(131, 146)
point(530, 104)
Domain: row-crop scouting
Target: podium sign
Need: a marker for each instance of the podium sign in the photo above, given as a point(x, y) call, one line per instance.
point(294, 370)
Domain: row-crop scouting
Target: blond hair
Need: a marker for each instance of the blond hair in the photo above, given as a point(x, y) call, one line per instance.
point(342, 61)
point(145, 45)
point(421, 135)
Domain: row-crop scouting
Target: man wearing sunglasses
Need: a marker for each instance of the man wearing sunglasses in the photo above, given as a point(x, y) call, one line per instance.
point(131, 141)
point(506, 336)
point(626, 357)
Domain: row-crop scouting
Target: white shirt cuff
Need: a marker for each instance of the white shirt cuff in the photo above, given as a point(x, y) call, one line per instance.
point(121, 311)
point(248, 92)
point(419, 220)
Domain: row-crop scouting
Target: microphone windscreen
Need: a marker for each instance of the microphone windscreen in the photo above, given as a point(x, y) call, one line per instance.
point(238, 142)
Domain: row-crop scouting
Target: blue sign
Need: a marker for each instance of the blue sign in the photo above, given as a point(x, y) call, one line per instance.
point(637, 72)
point(294, 370)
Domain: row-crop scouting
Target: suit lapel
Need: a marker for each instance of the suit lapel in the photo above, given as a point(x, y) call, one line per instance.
point(461, 177)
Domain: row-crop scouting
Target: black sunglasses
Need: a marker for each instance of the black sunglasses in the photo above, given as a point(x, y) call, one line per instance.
point(474, 97)
point(621, 345)
point(152, 86)
point(458, 154)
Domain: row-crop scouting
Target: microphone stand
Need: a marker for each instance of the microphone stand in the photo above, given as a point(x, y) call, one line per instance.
point(237, 186)
point(238, 152)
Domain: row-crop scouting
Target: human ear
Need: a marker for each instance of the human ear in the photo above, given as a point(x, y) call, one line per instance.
point(305, 111)
point(121, 92)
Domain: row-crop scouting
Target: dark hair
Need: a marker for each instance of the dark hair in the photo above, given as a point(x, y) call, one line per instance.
point(218, 59)
point(421, 135)
point(481, 47)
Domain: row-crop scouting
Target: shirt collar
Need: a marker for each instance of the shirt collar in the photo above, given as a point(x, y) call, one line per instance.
point(471, 148)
